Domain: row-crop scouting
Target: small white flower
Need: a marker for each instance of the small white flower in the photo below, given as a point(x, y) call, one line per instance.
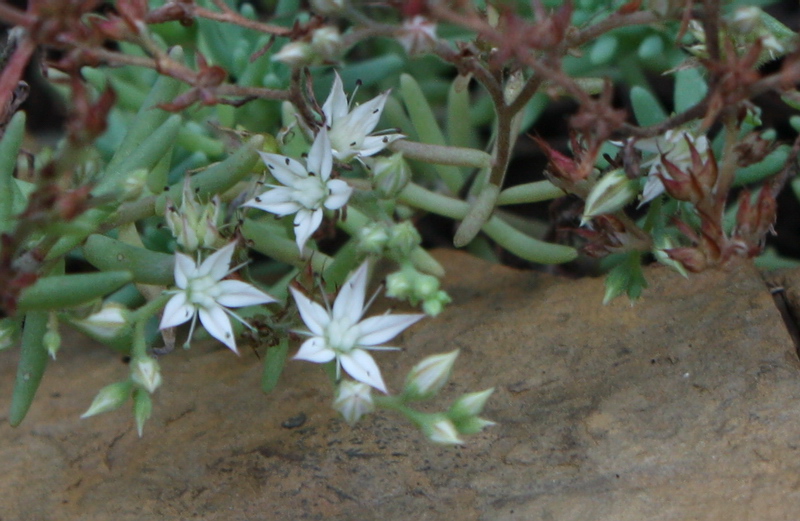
point(202, 292)
point(674, 146)
point(354, 400)
point(350, 130)
point(306, 189)
point(417, 35)
point(340, 334)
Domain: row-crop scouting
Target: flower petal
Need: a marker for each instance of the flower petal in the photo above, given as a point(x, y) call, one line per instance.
point(363, 119)
point(362, 367)
point(285, 169)
point(236, 294)
point(218, 325)
point(314, 316)
point(306, 223)
point(339, 193)
point(380, 329)
point(177, 311)
point(335, 106)
point(218, 263)
point(278, 201)
point(374, 144)
point(315, 350)
point(350, 300)
point(320, 159)
point(185, 268)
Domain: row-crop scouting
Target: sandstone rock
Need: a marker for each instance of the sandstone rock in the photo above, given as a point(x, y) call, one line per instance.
point(683, 406)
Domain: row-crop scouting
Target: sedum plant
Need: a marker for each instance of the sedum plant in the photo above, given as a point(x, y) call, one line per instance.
point(197, 140)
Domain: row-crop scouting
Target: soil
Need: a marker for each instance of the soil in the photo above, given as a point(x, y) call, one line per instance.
point(680, 407)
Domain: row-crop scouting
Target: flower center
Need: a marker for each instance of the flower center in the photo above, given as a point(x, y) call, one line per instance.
point(202, 291)
point(310, 192)
point(342, 336)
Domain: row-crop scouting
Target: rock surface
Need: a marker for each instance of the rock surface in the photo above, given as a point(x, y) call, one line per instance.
point(682, 407)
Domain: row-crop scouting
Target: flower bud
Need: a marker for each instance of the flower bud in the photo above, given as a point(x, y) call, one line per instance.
point(134, 184)
point(326, 42)
point(373, 238)
point(610, 194)
point(425, 286)
point(142, 409)
point(106, 324)
point(194, 225)
point(746, 19)
point(434, 306)
point(442, 431)
point(472, 425)
point(403, 238)
point(146, 373)
point(327, 6)
point(52, 338)
point(295, 54)
point(429, 376)
point(353, 400)
point(8, 333)
point(109, 398)
point(417, 35)
point(390, 175)
point(470, 404)
point(398, 285)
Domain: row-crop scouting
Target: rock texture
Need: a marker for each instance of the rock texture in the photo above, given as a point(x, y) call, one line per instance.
point(682, 407)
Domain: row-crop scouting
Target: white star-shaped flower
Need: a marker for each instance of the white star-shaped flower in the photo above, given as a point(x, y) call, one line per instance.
point(340, 334)
point(202, 292)
point(305, 190)
point(673, 145)
point(351, 130)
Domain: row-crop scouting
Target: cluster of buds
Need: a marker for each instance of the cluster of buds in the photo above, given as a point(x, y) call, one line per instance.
point(462, 418)
point(194, 225)
point(396, 240)
point(415, 287)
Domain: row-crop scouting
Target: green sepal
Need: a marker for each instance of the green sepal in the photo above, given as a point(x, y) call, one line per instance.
point(64, 291)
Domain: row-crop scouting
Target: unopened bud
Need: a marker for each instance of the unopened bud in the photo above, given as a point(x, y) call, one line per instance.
point(105, 324)
point(390, 175)
point(327, 6)
point(353, 400)
point(442, 431)
point(610, 194)
point(398, 285)
point(470, 404)
point(142, 409)
point(295, 54)
point(8, 333)
point(417, 35)
point(134, 184)
point(146, 373)
point(373, 238)
point(109, 398)
point(429, 376)
point(326, 42)
point(403, 238)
